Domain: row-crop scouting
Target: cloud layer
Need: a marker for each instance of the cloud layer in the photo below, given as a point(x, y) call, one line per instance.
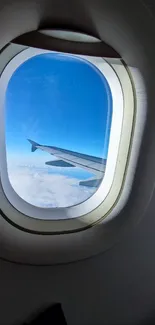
point(43, 189)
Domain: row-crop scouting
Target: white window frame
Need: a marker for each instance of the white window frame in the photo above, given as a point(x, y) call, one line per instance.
point(96, 207)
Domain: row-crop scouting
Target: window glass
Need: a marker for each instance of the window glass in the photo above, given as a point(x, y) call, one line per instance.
point(58, 112)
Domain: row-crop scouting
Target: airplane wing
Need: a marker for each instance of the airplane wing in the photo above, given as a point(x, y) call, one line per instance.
point(68, 158)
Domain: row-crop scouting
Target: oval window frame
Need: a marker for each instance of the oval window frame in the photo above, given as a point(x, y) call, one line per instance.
point(96, 213)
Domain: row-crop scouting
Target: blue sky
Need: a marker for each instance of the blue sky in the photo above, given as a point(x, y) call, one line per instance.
point(58, 100)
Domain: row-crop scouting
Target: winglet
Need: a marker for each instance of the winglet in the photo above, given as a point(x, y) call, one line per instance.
point(34, 145)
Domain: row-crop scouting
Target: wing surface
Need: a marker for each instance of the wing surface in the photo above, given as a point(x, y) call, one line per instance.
point(68, 158)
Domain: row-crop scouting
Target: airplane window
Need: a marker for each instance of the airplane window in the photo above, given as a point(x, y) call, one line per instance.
point(58, 113)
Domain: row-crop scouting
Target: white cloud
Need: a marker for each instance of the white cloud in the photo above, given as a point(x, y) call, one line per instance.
point(36, 186)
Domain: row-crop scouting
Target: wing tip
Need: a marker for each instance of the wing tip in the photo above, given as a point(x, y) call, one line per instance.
point(34, 145)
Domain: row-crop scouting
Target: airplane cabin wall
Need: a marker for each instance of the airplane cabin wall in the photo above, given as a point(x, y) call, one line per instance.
point(118, 286)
